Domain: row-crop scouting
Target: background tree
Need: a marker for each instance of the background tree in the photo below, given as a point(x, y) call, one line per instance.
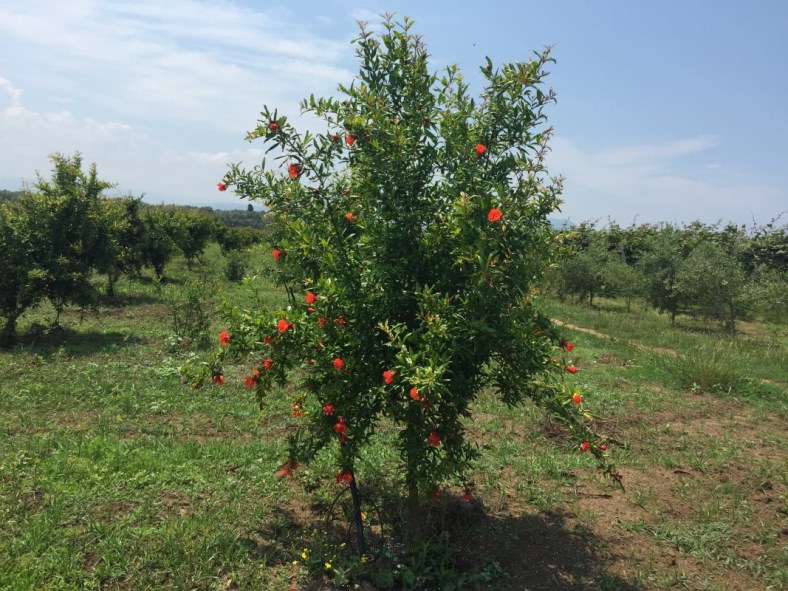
point(159, 241)
point(22, 279)
point(713, 282)
point(69, 208)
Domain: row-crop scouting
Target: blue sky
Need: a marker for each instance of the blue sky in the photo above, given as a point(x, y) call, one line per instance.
point(667, 111)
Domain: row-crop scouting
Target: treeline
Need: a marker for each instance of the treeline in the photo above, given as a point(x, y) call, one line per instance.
point(55, 237)
point(6, 195)
point(722, 273)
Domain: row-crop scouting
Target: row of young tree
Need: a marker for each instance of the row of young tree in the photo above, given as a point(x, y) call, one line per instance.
point(722, 273)
point(56, 236)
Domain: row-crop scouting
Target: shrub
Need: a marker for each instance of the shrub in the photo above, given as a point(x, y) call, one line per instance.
point(410, 236)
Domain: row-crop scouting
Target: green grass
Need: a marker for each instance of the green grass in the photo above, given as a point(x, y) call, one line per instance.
point(114, 474)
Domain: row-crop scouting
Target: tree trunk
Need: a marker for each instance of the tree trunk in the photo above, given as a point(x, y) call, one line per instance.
point(415, 517)
point(8, 335)
point(362, 546)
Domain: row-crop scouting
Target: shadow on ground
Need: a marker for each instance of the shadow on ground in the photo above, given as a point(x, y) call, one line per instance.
point(73, 343)
point(501, 552)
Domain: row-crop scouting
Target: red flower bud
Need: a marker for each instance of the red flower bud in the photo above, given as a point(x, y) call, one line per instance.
point(218, 379)
point(339, 363)
point(221, 186)
point(571, 369)
point(224, 338)
point(273, 127)
point(294, 170)
point(585, 446)
point(328, 409)
point(577, 399)
point(277, 254)
point(480, 150)
point(434, 438)
point(388, 376)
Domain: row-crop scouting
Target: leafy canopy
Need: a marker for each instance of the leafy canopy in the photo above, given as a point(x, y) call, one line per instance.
point(410, 236)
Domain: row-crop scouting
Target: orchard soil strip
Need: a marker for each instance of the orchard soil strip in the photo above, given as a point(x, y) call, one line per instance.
point(602, 335)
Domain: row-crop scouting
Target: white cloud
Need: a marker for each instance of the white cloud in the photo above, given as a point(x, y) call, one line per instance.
point(215, 63)
point(655, 182)
point(13, 93)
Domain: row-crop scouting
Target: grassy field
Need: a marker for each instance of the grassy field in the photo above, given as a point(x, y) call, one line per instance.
point(114, 474)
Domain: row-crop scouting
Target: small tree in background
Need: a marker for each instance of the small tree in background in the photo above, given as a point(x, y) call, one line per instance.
point(71, 241)
point(22, 279)
point(410, 236)
point(713, 282)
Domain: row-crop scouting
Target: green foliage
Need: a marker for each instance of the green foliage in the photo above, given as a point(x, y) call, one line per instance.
point(234, 238)
point(158, 243)
point(409, 236)
point(72, 237)
point(6, 195)
point(714, 283)
point(235, 269)
point(660, 266)
point(22, 280)
point(719, 366)
point(240, 218)
point(191, 309)
point(192, 232)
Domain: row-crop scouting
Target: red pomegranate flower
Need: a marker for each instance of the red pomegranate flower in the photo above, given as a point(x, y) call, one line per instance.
point(434, 438)
point(571, 369)
point(283, 325)
point(277, 254)
point(345, 476)
point(567, 346)
point(310, 298)
point(388, 376)
point(342, 439)
point(222, 186)
point(267, 364)
point(480, 150)
point(585, 446)
point(414, 393)
point(250, 381)
point(224, 338)
point(340, 426)
point(350, 216)
point(341, 322)
point(577, 399)
point(294, 170)
point(468, 496)
point(339, 363)
point(287, 469)
point(350, 139)
point(218, 379)
point(495, 215)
